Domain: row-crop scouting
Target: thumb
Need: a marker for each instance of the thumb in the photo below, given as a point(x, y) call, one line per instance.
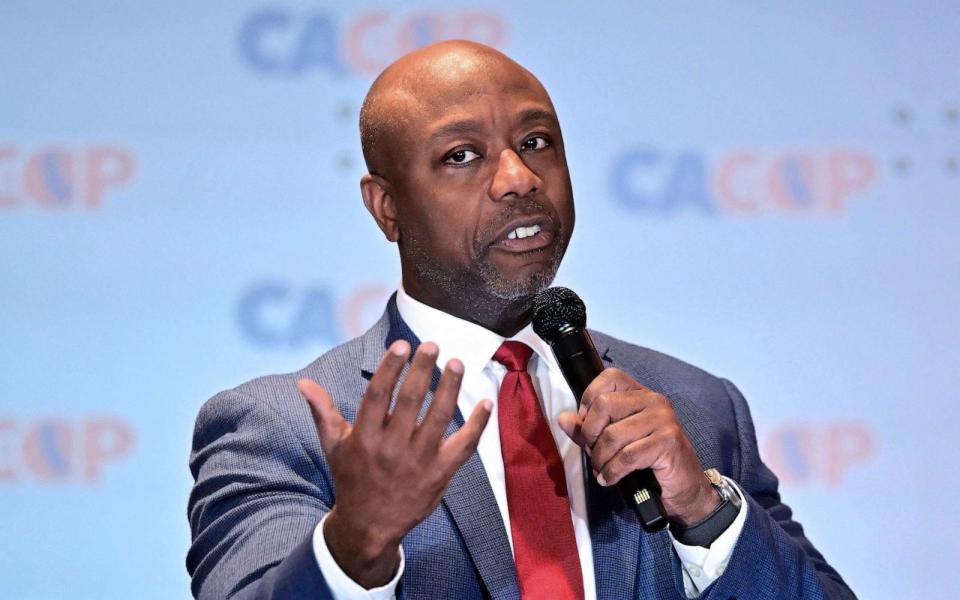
point(330, 425)
point(569, 422)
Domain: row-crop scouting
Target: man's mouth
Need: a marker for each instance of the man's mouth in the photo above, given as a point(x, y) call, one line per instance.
point(524, 232)
point(525, 235)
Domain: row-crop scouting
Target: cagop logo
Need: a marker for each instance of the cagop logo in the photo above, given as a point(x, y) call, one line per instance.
point(648, 181)
point(819, 453)
point(284, 42)
point(58, 450)
point(281, 315)
point(60, 177)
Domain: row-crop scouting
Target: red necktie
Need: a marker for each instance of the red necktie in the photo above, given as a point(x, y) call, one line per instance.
point(544, 546)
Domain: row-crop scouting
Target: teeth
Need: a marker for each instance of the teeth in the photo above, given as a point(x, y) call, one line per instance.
point(522, 232)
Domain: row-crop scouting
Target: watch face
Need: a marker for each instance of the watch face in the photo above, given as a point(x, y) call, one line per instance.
point(724, 487)
point(714, 476)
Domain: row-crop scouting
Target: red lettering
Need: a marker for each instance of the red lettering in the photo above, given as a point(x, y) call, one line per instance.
point(361, 35)
point(792, 182)
point(106, 167)
point(418, 31)
point(788, 449)
point(846, 445)
point(7, 471)
point(104, 440)
point(732, 183)
point(848, 172)
point(48, 449)
point(49, 177)
point(6, 179)
point(353, 308)
point(486, 28)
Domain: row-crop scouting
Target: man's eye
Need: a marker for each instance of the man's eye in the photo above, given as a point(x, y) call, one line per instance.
point(537, 142)
point(461, 157)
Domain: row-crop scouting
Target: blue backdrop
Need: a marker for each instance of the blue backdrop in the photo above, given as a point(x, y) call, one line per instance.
point(179, 212)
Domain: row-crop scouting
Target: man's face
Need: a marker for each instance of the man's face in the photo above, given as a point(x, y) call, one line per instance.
point(483, 196)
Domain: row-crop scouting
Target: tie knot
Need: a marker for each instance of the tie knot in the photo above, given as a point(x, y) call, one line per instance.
point(513, 355)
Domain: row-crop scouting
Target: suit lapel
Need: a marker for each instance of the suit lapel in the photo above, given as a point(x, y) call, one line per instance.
point(644, 561)
point(615, 533)
point(470, 501)
point(469, 498)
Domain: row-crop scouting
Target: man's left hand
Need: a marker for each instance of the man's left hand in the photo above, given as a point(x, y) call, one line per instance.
point(623, 427)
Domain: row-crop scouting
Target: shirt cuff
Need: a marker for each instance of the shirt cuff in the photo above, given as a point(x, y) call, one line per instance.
point(340, 584)
point(702, 566)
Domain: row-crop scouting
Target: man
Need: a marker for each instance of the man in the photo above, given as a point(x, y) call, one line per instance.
point(387, 479)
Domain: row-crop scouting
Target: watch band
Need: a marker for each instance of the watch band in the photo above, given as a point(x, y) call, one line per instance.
point(709, 529)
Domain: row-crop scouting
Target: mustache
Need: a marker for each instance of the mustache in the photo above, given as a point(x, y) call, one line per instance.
point(525, 207)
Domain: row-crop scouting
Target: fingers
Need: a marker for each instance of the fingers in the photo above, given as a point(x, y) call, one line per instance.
point(373, 407)
point(403, 419)
point(609, 380)
point(617, 436)
point(443, 407)
point(331, 427)
point(641, 441)
point(458, 447)
point(640, 454)
point(607, 408)
point(569, 422)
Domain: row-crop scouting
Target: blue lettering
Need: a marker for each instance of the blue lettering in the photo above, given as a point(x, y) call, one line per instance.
point(318, 46)
point(270, 315)
point(252, 312)
point(315, 319)
point(51, 444)
point(641, 184)
point(631, 179)
point(687, 184)
point(794, 456)
point(423, 31)
point(252, 37)
point(55, 177)
point(797, 186)
point(315, 44)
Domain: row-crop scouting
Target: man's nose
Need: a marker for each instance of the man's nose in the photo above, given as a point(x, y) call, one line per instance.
point(513, 177)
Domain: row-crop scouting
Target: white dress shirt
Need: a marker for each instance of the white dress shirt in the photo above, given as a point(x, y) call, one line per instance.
point(475, 347)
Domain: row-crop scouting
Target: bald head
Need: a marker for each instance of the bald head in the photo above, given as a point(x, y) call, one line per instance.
point(428, 80)
point(464, 148)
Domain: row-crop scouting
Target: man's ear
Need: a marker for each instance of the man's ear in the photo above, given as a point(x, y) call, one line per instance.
point(379, 201)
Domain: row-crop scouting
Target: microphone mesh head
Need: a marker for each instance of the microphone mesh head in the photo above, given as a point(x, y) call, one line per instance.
point(555, 307)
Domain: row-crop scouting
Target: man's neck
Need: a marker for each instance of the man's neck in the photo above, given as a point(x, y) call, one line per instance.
point(503, 317)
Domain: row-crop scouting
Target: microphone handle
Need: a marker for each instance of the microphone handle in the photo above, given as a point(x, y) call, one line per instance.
point(580, 364)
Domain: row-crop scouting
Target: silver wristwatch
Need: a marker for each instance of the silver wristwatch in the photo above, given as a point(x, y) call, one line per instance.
point(724, 488)
point(709, 529)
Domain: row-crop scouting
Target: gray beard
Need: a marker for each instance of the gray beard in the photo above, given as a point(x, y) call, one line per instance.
point(480, 288)
point(494, 284)
point(481, 285)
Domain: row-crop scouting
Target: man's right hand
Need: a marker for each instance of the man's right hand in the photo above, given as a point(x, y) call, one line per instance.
point(389, 471)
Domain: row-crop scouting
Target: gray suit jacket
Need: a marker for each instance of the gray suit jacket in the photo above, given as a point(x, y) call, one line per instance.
point(263, 483)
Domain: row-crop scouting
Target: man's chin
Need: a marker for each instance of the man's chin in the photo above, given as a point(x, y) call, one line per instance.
point(521, 285)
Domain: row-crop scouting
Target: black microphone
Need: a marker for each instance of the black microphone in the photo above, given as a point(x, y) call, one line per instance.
point(560, 318)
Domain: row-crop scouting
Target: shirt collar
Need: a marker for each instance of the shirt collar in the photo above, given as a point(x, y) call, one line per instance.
point(473, 344)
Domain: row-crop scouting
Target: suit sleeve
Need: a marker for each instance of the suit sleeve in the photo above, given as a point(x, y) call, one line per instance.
point(258, 496)
point(772, 559)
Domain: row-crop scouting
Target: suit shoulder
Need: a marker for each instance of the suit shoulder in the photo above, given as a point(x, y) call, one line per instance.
point(331, 369)
point(337, 370)
point(662, 364)
point(668, 374)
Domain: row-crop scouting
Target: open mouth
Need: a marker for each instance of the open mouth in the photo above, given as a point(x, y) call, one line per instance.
point(524, 232)
point(525, 236)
